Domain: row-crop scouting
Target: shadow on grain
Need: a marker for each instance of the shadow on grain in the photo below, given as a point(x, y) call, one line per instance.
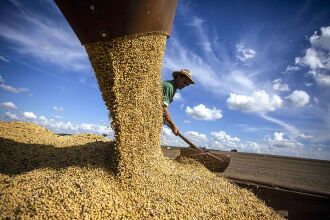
point(16, 158)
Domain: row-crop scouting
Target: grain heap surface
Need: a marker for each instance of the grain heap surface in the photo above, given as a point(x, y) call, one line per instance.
point(43, 175)
point(48, 176)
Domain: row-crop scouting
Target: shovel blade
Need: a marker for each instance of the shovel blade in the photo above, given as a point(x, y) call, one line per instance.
point(215, 162)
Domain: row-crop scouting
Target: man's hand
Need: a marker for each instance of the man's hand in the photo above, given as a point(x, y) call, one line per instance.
point(175, 130)
point(169, 122)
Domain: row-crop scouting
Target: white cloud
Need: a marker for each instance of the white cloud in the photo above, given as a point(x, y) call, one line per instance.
point(254, 147)
point(62, 127)
point(205, 42)
point(299, 98)
point(291, 69)
point(243, 53)
point(94, 128)
point(321, 41)
point(221, 140)
point(58, 109)
point(8, 88)
point(29, 115)
point(200, 112)
point(58, 117)
point(313, 59)
point(187, 121)
point(308, 84)
point(8, 105)
point(48, 40)
point(177, 96)
point(86, 126)
point(101, 129)
point(197, 138)
point(279, 141)
point(169, 139)
point(279, 86)
point(294, 132)
point(13, 89)
point(238, 81)
point(260, 101)
point(197, 22)
point(321, 79)
point(167, 132)
point(317, 58)
point(276, 144)
point(305, 136)
point(4, 59)
point(11, 116)
point(43, 118)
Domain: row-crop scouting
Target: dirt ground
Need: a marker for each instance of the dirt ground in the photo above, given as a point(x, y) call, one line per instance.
point(290, 172)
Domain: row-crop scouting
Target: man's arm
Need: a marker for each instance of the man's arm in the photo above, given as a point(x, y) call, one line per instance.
point(168, 119)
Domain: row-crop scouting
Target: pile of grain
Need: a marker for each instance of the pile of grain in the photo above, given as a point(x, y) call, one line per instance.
point(79, 177)
point(43, 175)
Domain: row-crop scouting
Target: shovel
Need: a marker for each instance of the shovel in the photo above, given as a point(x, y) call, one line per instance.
point(215, 162)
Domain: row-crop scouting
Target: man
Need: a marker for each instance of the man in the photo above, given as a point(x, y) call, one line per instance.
point(180, 80)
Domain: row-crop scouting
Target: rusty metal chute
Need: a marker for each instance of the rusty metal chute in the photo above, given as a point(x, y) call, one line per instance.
point(101, 20)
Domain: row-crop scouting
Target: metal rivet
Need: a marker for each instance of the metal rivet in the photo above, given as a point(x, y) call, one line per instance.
point(103, 33)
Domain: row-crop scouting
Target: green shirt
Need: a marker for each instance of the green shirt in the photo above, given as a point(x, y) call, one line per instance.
point(168, 92)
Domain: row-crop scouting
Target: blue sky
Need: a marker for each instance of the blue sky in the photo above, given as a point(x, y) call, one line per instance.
point(262, 73)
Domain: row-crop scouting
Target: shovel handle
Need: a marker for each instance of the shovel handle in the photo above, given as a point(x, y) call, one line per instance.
point(188, 141)
point(184, 138)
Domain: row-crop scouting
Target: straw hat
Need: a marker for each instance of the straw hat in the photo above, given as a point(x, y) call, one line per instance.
point(185, 72)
